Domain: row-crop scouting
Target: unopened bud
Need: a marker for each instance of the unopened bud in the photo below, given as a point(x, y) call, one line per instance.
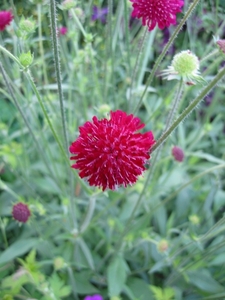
point(194, 219)
point(21, 212)
point(163, 246)
point(26, 25)
point(221, 44)
point(68, 4)
point(59, 263)
point(26, 59)
point(178, 153)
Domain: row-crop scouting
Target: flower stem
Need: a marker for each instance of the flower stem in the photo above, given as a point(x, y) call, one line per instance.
point(166, 48)
point(136, 67)
point(89, 214)
point(55, 44)
point(78, 22)
point(175, 104)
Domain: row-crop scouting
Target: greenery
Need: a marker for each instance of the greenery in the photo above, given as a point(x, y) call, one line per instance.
point(163, 237)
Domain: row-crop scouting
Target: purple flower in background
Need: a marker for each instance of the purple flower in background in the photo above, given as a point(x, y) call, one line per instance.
point(99, 14)
point(62, 30)
point(94, 297)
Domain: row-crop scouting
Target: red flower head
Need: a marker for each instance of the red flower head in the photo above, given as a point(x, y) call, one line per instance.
point(152, 12)
point(5, 19)
point(178, 153)
point(21, 212)
point(111, 153)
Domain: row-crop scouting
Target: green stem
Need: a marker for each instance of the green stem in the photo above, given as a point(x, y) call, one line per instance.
point(189, 109)
point(55, 44)
point(136, 66)
point(2, 225)
point(175, 105)
point(166, 48)
point(78, 22)
point(41, 48)
point(89, 215)
point(126, 25)
point(25, 119)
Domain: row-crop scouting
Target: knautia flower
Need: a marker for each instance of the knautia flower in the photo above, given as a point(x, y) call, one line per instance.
point(94, 297)
point(153, 12)
point(110, 152)
point(178, 153)
point(5, 19)
point(185, 65)
point(21, 212)
point(99, 14)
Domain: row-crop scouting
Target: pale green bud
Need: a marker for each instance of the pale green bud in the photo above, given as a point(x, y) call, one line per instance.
point(68, 4)
point(194, 219)
point(27, 25)
point(59, 263)
point(163, 246)
point(104, 109)
point(26, 59)
point(89, 38)
point(185, 63)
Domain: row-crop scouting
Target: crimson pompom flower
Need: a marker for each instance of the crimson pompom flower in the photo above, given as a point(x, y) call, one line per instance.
point(110, 152)
point(178, 153)
point(5, 19)
point(21, 212)
point(153, 12)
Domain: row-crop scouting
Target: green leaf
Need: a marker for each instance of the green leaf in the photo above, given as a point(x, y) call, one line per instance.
point(203, 280)
point(17, 249)
point(140, 289)
point(116, 275)
point(82, 284)
point(218, 260)
point(58, 287)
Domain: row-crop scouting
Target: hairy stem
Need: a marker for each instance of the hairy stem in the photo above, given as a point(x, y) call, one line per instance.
point(55, 44)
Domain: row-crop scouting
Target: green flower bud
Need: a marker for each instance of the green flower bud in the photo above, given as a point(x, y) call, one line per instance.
point(26, 59)
point(104, 109)
point(185, 63)
point(59, 263)
point(27, 25)
point(79, 12)
point(163, 246)
point(68, 4)
point(194, 219)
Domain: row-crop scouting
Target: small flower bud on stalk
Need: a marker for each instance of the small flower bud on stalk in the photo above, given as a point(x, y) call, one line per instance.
point(26, 59)
point(21, 212)
point(178, 154)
